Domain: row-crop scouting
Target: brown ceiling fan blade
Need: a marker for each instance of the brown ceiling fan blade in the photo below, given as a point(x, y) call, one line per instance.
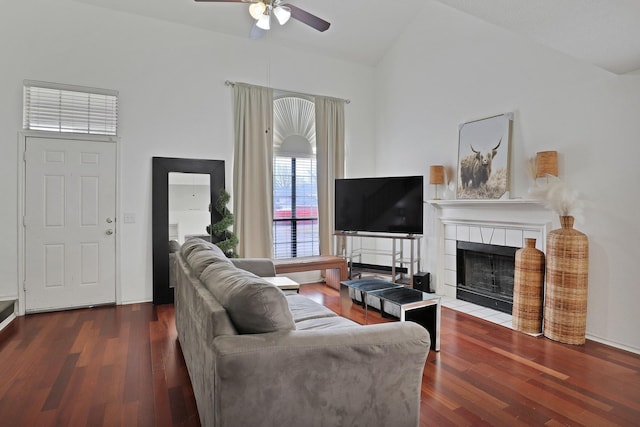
point(307, 18)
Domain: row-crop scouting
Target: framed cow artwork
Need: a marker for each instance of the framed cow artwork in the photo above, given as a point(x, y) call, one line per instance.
point(483, 158)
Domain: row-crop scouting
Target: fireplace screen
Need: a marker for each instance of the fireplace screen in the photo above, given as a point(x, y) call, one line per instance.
point(485, 275)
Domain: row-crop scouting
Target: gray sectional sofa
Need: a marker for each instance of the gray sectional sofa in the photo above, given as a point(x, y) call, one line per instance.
point(258, 357)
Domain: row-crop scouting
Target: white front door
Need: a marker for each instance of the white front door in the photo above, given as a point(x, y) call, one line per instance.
point(70, 206)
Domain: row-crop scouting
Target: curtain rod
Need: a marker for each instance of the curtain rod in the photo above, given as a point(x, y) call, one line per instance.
point(230, 83)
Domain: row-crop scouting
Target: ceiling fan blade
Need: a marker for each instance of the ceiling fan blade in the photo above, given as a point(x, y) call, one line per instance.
point(307, 18)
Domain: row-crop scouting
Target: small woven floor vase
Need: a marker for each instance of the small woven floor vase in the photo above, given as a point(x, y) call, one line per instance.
point(528, 284)
point(565, 306)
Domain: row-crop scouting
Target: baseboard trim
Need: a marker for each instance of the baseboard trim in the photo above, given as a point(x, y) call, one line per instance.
point(613, 344)
point(142, 301)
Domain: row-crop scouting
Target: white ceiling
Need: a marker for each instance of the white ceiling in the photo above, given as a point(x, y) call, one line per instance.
point(605, 33)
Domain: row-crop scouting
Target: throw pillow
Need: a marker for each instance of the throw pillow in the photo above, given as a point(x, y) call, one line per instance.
point(196, 244)
point(200, 260)
point(254, 305)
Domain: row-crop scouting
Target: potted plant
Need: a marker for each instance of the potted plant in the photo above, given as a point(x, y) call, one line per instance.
point(221, 236)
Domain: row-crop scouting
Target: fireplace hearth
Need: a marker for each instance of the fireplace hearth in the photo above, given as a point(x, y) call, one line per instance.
point(485, 275)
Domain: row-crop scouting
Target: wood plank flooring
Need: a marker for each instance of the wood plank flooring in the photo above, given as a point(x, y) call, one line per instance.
point(122, 366)
point(111, 366)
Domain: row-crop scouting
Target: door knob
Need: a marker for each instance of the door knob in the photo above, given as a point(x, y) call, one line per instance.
point(109, 232)
point(109, 220)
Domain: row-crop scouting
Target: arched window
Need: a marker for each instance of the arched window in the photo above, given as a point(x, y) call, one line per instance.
point(295, 194)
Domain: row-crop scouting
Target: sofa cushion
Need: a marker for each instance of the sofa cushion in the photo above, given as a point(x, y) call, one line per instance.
point(199, 254)
point(174, 246)
point(334, 322)
point(200, 260)
point(196, 244)
point(254, 305)
point(303, 308)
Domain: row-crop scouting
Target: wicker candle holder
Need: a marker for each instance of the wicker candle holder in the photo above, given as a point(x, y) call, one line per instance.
point(436, 177)
point(528, 288)
point(565, 307)
point(546, 163)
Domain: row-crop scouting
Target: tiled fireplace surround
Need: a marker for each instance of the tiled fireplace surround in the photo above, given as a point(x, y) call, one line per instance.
point(496, 222)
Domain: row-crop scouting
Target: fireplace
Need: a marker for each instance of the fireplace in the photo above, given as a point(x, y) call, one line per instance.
point(492, 222)
point(485, 274)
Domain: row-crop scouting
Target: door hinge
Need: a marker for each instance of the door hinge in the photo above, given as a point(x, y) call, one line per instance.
point(24, 221)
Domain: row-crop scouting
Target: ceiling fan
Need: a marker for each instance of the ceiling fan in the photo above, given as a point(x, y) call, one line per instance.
point(261, 11)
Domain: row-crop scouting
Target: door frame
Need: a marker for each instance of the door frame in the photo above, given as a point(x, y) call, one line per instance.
point(22, 177)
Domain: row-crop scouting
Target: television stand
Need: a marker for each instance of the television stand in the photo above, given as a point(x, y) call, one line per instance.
point(401, 268)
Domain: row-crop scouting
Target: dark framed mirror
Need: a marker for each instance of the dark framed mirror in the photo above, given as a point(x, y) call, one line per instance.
point(162, 168)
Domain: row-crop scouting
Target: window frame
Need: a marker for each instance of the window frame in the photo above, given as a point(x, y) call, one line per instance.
point(293, 218)
point(71, 109)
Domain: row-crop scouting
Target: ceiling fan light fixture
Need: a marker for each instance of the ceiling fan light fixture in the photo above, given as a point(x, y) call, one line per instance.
point(260, 10)
point(282, 13)
point(265, 21)
point(257, 9)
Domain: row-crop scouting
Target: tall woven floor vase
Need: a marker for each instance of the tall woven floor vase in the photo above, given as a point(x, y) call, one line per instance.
point(528, 288)
point(565, 307)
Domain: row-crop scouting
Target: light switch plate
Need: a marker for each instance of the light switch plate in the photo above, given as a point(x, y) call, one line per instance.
point(129, 218)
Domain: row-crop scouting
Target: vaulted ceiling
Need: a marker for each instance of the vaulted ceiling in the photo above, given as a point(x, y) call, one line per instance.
point(605, 33)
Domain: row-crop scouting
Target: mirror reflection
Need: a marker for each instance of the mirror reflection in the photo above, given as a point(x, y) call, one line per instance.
point(189, 204)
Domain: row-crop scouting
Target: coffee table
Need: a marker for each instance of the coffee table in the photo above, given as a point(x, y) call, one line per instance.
point(364, 287)
point(416, 306)
point(284, 283)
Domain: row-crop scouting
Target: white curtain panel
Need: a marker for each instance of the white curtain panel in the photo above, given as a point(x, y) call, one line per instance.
point(253, 170)
point(330, 165)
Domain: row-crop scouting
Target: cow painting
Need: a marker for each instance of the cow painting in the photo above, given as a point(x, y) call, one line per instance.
point(483, 158)
point(476, 168)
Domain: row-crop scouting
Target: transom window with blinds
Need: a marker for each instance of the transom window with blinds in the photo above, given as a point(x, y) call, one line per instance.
point(65, 108)
point(295, 194)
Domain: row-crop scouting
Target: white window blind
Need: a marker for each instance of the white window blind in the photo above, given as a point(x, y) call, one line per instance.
point(65, 108)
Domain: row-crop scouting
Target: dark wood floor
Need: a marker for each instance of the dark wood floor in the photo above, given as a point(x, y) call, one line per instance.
point(123, 366)
point(111, 366)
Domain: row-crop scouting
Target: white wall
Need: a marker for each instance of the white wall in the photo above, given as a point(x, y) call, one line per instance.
point(446, 69)
point(189, 209)
point(173, 102)
point(449, 68)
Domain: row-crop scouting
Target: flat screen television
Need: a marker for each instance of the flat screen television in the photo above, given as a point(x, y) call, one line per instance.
point(386, 205)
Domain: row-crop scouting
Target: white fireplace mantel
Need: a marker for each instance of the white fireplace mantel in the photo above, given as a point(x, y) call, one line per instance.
point(484, 202)
point(517, 212)
point(505, 222)
point(505, 206)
